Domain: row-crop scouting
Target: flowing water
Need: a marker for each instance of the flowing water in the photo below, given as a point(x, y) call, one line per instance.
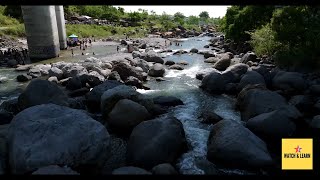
point(181, 84)
point(184, 85)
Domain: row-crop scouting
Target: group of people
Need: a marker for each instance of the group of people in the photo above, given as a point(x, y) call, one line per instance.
point(12, 53)
point(83, 45)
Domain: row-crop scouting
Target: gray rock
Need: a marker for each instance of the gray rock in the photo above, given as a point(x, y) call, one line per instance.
point(55, 170)
point(11, 105)
point(169, 63)
point(234, 145)
point(3, 80)
point(204, 72)
point(214, 83)
point(93, 98)
point(194, 50)
point(130, 170)
point(222, 64)
point(74, 83)
point(34, 72)
point(54, 71)
point(248, 57)
point(157, 70)
point(167, 101)
point(303, 103)
point(133, 81)
point(144, 65)
point(5, 117)
point(291, 82)
point(208, 54)
point(211, 60)
point(125, 70)
point(252, 102)
point(117, 157)
point(136, 54)
point(250, 78)
point(210, 117)
point(50, 134)
point(23, 78)
point(24, 68)
point(156, 141)
point(276, 124)
point(43, 68)
point(176, 67)
point(164, 169)
point(234, 73)
point(41, 92)
point(151, 56)
point(127, 114)
point(315, 90)
point(315, 123)
point(53, 79)
point(74, 70)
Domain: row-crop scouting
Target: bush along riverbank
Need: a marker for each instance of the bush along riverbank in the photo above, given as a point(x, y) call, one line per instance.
point(114, 121)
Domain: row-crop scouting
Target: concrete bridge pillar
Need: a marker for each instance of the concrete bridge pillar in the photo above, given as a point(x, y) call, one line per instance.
point(42, 32)
point(61, 27)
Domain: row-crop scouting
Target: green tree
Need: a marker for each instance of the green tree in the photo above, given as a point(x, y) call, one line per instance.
point(13, 11)
point(179, 18)
point(204, 15)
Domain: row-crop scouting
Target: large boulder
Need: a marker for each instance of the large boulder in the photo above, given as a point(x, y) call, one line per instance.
point(290, 82)
point(94, 78)
point(54, 71)
point(127, 114)
point(315, 122)
point(303, 103)
point(156, 141)
point(23, 78)
point(117, 158)
point(250, 56)
point(125, 70)
point(234, 73)
point(152, 56)
point(144, 65)
point(133, 81)
point(5, 117)
point(74, 83)
point(208, 54)
point(111, 96)
point(204, 72)
point(279, 123)
point(254, 101)
point(214, 83)
point(176, 67)
point(167, 101)
point(55, 170)
point(130, 170)
point(41, 92)
point(231, 144)
point(194, 50)
point(157, 70)
point(223, 63)
point(51, 134)
point(93, 98)
point(164, 169)
point(74, 70)
point(211, 60)
point(250, 78)
point(34, 72)
point(136, 54)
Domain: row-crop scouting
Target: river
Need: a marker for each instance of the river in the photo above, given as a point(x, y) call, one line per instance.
point(181, 84)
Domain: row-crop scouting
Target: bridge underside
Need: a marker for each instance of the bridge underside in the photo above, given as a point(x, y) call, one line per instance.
point(45, 30)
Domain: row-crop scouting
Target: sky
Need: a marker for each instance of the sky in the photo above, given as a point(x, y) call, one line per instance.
point(214, 11)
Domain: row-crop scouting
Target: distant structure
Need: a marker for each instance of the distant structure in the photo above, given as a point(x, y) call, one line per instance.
point(45, 29)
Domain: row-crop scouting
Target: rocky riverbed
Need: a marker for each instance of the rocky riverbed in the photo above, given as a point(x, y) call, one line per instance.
point(198, 108)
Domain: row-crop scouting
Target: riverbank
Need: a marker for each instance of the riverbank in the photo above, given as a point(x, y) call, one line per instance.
point(198, 99)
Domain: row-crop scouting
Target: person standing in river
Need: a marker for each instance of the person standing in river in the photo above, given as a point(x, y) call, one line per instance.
point(118, 48)
point(72, 51)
